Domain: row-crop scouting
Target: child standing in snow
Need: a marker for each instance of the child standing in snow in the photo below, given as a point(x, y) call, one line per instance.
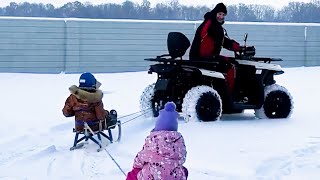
point(85, 103)
point(164, 152)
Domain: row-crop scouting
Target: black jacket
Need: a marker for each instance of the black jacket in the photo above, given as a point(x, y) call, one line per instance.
point(215, 31)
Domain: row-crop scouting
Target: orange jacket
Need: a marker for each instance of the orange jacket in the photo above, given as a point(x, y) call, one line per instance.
point(85, 106)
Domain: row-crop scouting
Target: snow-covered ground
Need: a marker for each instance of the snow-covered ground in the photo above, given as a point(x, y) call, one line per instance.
point(36, 137)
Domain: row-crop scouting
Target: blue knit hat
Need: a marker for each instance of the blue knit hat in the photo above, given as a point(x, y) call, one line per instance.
point(168, 118)
point(88, 81)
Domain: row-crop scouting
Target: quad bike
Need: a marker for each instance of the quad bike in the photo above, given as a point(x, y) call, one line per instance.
point(199, 88)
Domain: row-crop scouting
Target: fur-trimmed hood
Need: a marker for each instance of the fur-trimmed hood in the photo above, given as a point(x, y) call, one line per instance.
point(91, 97)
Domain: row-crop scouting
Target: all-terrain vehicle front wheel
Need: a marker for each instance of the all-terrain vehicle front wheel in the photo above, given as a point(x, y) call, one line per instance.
point(278, 103)
point(202, 103)
point(146, 100)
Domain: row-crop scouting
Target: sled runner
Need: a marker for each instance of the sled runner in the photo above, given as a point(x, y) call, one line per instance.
point(90, 130)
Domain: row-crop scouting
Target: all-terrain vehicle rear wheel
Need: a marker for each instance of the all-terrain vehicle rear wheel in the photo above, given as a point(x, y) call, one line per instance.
point(202, 103)
point(146, 100)
point(278, 103)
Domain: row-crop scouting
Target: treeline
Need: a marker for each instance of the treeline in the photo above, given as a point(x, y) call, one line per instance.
point(293, 12)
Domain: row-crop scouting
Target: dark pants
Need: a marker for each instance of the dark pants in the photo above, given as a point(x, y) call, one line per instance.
point(230, 72)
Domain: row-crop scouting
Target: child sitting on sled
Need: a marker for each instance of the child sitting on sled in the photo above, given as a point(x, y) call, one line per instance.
point(164, 151)
point(85, 103)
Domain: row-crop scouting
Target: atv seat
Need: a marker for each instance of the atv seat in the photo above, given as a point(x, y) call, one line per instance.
point(177, 44)
point(91, 129)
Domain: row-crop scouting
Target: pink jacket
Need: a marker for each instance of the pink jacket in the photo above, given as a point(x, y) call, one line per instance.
point(162, 157)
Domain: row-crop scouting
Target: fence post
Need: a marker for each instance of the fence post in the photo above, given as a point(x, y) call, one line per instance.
point(65, 46)
point(305, 45)
point(72, 48)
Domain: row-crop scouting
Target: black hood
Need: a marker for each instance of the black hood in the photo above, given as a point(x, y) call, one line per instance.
point(220, 8)
point(212, 15)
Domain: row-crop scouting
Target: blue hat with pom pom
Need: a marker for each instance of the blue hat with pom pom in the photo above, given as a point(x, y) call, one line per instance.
point(168, 118)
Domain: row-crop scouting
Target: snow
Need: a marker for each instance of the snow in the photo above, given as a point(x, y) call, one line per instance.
point(36, 137)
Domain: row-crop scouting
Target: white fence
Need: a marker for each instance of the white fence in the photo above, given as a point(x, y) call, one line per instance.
point(52, 45)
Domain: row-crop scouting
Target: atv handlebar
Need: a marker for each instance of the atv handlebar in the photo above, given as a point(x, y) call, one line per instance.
point(245, 52)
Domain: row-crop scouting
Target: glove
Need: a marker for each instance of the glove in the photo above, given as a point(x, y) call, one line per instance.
point(243, 48)
point(132, 175)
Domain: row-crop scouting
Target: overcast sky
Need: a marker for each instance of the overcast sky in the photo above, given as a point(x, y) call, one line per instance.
point(209, 3)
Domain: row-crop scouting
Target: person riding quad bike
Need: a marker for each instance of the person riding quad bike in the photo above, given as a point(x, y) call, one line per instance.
point(210, 37)
point(205, 86)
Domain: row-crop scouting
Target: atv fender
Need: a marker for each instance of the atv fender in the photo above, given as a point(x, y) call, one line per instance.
point(212, 74)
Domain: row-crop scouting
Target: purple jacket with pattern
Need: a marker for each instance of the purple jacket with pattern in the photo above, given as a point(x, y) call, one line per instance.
point(162, 157)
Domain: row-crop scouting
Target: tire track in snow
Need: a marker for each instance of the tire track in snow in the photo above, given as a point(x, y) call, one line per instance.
point(277, 167)
point(93, 163)
point(83, 161)
point(23, 146)
point(49, 167)
point(207, 174)
point(98, 165)
point(65, 164)
point(16, 151)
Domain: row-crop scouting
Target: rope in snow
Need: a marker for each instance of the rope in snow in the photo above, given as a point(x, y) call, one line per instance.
point(148, 110)
point(115, 162)
point(119, 167)
point(134, 113)
point(100, 143)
